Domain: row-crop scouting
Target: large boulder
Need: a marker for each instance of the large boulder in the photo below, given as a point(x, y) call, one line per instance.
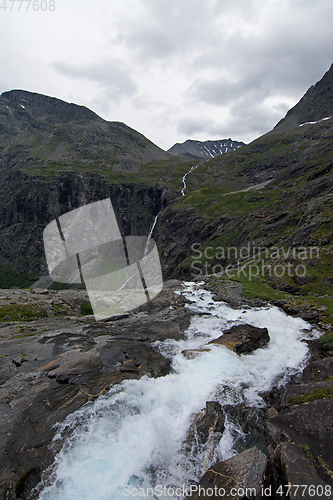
point(318, 371)
point(299, 473)
point(243, 339)
point(310, 426)
point(205, 432)
point(241, 476)
point(302, 393)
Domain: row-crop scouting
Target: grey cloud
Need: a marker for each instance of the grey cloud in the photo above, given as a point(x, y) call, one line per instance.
point(245, 121)
point(194, 125)
point(168, 27)
point(113, 75)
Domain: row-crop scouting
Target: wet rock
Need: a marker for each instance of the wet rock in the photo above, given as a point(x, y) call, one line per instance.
point(295, 469)
point(172, 284)
point(318, 371)
point(193, 353)
point(251, 422)
point(205, 432)
point(75, 365)
point(243, 339)
point(295, 393)
point(68, 362)
point(304, 311)
point(210, 420)
point(239, 477)
point(230, 291)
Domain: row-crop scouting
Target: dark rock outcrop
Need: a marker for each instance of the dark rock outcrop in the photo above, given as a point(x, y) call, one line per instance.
point(316, 104)
point(243, 339)
point(239, 477)
point(297, 474)
point(52, 365)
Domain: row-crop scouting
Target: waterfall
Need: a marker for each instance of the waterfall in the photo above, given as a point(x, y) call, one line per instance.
point(184, 177)
point(130, 439)
point(149, 235)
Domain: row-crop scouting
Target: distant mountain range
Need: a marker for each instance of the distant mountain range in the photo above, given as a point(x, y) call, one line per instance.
point(57, 156)
point(204, 149)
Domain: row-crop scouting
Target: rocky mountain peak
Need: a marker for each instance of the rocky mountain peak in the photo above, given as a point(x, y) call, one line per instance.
point(315, 105)
point(55, 109)
point(204, 150)
point(41, 133)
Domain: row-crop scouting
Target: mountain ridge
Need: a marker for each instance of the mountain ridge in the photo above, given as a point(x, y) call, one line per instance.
point(46, 129)
point(316, 104)
point(192, 149)
point(216, 200)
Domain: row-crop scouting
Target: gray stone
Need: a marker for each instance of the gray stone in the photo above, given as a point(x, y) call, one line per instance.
point(318, 371)
point(296, 469)
point(241, 476)
point(309, 425)
point(301, 390)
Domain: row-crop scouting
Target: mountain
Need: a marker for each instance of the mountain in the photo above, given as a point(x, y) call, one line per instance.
point(57, 156)
point(276, 191)
point(256, 221)
point(316, 105)
point(41, 132)
point(204, 149)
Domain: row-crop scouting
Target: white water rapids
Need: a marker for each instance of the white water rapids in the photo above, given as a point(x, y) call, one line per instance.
point(132, 437)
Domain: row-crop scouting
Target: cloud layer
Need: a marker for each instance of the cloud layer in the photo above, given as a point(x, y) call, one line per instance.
point(173, 69)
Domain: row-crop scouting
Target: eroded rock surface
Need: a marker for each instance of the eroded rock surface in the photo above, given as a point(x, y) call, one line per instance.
point(50, 366)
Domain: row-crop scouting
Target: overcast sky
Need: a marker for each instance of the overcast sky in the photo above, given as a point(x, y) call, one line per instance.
point(171, 69)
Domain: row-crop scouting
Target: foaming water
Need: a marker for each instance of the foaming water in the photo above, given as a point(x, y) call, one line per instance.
point(132, 437)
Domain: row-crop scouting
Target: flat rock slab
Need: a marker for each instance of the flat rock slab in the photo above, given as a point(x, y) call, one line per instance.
point(243, 339)
point(51, 366)
point(241, 476)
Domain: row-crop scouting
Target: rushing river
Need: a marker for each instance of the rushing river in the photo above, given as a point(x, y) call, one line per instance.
point(132, 437)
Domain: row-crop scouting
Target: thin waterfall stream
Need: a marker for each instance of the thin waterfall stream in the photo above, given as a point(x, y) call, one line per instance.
point(184, 177)
point(152, 227)
point(131, 439)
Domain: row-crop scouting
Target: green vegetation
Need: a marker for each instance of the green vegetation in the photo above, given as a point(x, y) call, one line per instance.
point(325, 466)
point(86, 309)
point(307, 450)
point(327, 341)
point(324, 393)
point(15, 312)
point(7, 280)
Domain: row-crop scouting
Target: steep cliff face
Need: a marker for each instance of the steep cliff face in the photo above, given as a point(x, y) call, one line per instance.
point(315, 105)
point(29, 203)
point(56, 157)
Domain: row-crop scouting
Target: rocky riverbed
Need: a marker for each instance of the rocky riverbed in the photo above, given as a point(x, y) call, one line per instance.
point(56, 361)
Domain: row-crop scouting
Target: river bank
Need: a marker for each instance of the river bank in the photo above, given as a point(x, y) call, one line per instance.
point(53, 365)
